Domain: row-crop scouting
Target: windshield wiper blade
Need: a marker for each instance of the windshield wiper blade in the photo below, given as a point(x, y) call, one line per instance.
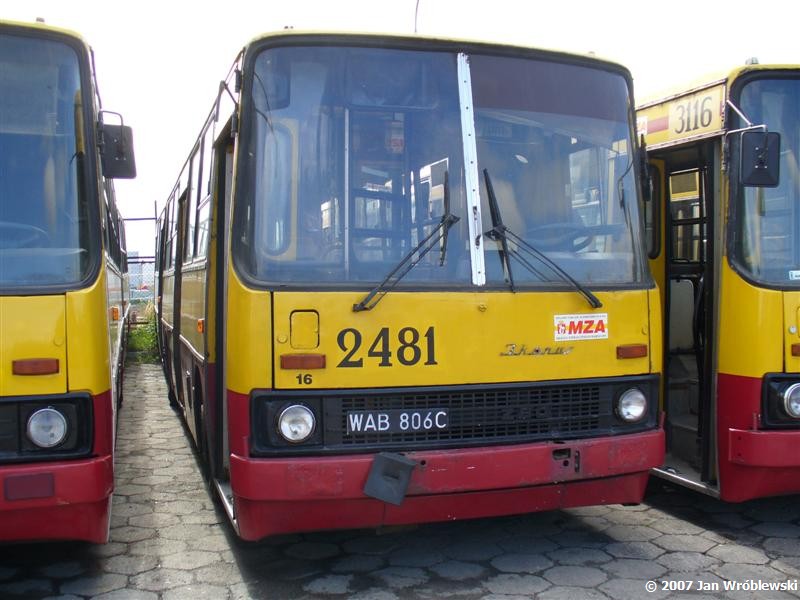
point(412, 259)
point(593, 300)
point(499, 232)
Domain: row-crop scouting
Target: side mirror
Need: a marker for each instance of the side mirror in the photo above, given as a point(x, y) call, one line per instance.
point(760, 158)
point(116, 151)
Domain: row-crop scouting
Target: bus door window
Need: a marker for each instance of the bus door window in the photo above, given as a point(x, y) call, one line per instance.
point(687, 256)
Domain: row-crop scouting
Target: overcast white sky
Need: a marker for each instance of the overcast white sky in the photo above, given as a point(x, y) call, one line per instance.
point(159, 63)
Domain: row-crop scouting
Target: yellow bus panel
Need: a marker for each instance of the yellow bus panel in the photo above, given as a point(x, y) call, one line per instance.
point(87, 339)
point(694, 115)
point(33, 327)
point(397, 344)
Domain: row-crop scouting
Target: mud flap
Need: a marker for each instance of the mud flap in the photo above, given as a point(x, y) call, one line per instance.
point(389, 477)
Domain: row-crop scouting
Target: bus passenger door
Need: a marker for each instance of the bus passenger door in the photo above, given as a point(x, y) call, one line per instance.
point(684, 271)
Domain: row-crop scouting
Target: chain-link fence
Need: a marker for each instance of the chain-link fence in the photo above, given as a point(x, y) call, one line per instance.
point(141, 274)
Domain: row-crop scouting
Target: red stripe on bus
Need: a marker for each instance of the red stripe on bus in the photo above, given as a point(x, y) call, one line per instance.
point(656, 125)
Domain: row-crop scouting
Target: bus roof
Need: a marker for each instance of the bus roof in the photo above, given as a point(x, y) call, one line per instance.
point(421, 40)
point(695, 111)
point(710, 79)
point(42, 28)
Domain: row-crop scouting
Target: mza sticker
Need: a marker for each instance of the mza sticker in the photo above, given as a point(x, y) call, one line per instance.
point(581, 327)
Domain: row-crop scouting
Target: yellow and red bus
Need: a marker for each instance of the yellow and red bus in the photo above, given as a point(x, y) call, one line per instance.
point(723, 232)
point(63, 288)
point(403, 280)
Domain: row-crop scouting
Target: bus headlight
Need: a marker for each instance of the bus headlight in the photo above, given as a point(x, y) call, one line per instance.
point(632, 405)
point(296, 423)
point(47, 428)
point(791, 400)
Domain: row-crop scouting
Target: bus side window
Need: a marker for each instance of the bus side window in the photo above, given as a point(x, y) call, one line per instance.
point(652, 211)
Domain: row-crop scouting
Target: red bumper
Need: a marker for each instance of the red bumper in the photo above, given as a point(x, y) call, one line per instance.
point(275, 496)
point(753, 463)
point(56, 501)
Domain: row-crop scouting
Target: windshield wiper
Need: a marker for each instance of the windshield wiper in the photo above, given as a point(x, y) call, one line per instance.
point(500, 233)
point(412, 259)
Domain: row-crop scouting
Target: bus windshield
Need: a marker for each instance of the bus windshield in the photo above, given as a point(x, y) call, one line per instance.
point(44, 236)
point(768, 225)
point(348, 151)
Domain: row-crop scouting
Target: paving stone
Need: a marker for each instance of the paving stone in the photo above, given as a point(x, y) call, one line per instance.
point(131, 509)
point(512, 583)
point(455, 570)
point(782, 546)
point(411, 557)
point(521, 563)
point(329, 584)
point(197, 591)
point(374, 594)
point(631, 533)
point(575, 576)
point(739, 554)
point(27, 587)
point(578, 556)
point(63, 570)
point(528, 545)
point(571, 593)
point(676, 527)
point(313, 551)
point(645, 550)
point(131, 534)
point(218, 572)
point(472, 551)
point(288, 569)
point(401, 577)
point(631, 568)
point(189, 560)
point(127, 594)
point(182, 531)
point(161, 579)
point(158, 546)
point(211, 542)
point(358, 563)
point(92, 586)
point(686, 561)
point(777, 530)
point(629, 589)
point(740, 572)
point(684, 543)
point(130, 565)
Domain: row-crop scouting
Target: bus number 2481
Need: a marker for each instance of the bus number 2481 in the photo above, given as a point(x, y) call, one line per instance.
point(408, 347)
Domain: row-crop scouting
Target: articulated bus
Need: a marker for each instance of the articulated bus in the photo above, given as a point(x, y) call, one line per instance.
point(403, 280)
point(63, 288)
point(723, 235)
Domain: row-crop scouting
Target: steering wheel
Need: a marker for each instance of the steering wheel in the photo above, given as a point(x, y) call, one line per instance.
point(560, 236)
point(20, 235)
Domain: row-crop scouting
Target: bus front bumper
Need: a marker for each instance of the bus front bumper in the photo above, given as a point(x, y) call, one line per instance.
point(67, 500)
point(281, 495)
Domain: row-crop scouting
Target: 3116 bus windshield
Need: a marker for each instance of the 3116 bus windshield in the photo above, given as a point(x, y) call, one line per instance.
point(768, 236)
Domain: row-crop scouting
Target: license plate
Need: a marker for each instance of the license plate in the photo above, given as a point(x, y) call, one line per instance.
point(397, 421)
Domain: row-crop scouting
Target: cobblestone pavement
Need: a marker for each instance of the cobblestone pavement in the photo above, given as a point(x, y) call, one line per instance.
point(170, 541)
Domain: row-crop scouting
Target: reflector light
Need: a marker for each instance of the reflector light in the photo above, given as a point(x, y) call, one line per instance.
point(632, 351)
point(302, 361)
point(35, 366)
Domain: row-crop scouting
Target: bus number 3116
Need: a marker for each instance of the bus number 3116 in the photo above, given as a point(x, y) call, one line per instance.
point(408, 347)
